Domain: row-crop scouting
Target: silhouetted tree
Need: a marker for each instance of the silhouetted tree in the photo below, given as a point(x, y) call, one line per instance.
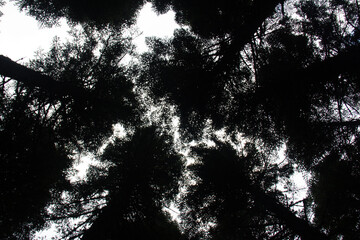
point(31, 164)
point(45, 119)
point(200, 15)
point(81, 87)
point(95, 13)
point(138, 176)
point(236, 194)
point(273, 72)
point(334, 192)
point(301, 90)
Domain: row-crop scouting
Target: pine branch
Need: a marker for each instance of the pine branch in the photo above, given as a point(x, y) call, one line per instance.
point(297, 225)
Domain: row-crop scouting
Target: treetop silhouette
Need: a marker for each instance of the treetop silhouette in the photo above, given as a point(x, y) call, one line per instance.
point(204, 114)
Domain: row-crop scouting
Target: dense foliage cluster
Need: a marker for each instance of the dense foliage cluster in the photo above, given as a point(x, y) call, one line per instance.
point(203, 115)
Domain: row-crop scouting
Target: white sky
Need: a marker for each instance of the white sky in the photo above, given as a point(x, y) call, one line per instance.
point(21, 35)
point(151, 24)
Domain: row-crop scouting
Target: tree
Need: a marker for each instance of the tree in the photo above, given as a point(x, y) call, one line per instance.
point(292, 90)
point(334, 191)
point(235, 193)
point(145, 177)
point(77, 83)
point(264, 77)
point(31, 164)
point(89, 12)
point(46, 119)
point(137, 177)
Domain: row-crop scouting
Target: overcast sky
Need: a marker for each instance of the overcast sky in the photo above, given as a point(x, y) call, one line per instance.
point(21, 35)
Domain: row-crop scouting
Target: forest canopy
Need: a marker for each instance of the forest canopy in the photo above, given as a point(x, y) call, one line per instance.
point(214, 123)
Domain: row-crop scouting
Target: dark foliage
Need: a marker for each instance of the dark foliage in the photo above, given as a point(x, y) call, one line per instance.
point(335, 193)
point(31, 164)
point(93, 13)
point(106, 96)
point(41, 130)
point(137, 178)
point(188, 72)
point(267, 73)
point(223, 195)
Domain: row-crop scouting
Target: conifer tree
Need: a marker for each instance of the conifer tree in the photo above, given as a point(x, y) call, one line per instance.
point(268, 75)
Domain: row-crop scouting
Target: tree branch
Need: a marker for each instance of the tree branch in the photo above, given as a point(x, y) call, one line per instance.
point(351, 123)
point(32, 78)
point(298, 225)
point(35, 79)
